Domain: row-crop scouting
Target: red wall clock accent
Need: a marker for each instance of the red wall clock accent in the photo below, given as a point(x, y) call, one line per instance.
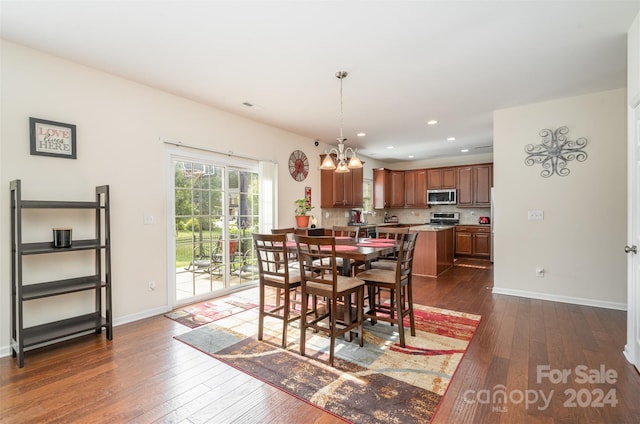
point(298, 165)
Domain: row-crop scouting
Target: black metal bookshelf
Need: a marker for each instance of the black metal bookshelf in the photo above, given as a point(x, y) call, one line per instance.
point(100, 281)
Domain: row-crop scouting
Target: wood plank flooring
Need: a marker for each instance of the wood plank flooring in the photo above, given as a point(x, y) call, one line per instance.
point(145, 376)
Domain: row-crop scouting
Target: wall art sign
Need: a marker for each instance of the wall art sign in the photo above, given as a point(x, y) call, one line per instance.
point(307, 197)
point(555, 151)
point(50, 138)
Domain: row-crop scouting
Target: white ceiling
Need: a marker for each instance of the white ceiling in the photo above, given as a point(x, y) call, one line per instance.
point(408, 61)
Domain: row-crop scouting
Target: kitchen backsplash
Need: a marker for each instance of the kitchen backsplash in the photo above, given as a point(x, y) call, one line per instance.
point(327, 218)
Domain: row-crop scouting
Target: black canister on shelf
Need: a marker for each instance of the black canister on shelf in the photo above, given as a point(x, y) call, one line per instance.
point(62, 237)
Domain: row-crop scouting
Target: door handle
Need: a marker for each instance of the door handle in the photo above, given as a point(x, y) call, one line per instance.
point(631, 249)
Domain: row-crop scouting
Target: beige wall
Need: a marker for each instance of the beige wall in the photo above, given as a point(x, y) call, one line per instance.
point(580, 241)
point(119, 124)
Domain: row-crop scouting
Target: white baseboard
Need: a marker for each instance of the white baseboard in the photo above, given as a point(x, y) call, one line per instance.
point(5, 350)
point(563, 299)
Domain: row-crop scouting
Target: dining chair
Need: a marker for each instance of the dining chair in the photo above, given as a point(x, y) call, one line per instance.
point(293, 255)
point(320, 278)
point(289, 231)
point(352, 232)
point(274, 271)
point(392, 233)
point(397, 283)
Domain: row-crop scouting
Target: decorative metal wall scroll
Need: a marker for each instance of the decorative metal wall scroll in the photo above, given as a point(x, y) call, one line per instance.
point(555, 151)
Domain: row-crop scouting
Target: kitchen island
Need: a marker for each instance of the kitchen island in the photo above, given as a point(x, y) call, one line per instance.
point(434, 249)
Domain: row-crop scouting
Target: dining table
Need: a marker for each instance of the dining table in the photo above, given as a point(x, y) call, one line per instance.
point(363, 250)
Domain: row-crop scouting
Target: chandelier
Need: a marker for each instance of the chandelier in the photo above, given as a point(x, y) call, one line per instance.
point(346, 156)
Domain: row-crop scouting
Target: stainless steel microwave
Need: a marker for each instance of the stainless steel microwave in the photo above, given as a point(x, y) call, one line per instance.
point(441, 197)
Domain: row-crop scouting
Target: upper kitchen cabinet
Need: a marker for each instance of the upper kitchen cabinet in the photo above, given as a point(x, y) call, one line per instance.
point(340, 190)
point(415, 188)
point(438, 178)
point(388, 188)
point(474, 185)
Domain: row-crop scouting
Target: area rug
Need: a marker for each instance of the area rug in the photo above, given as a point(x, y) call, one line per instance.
point(212, 310)
point(378, 383)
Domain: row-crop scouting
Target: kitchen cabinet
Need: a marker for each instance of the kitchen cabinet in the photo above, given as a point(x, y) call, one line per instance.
point(46, 296)
point(440, 178)
point(341, 190)
point(415, 188)
point(474, 185)
point(473, 241)
point(388, 188)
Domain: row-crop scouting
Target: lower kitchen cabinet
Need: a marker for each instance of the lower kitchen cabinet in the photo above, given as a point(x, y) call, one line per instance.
point(473, 241)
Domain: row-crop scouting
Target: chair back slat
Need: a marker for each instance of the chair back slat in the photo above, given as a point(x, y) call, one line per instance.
point(289, 231)
point(405, 255)
point(346, 231)
point(272, 254)
point(391, 232)
point(317, 256)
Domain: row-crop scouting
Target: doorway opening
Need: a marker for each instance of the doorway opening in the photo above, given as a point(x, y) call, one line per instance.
point(216, 211)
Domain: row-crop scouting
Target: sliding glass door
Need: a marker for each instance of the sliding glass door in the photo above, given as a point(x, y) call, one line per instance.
point(216, 207)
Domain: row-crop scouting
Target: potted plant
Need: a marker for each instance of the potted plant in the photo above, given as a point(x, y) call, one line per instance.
point(302, 219)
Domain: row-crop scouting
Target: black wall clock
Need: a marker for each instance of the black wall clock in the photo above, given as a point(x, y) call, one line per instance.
point(298, 165)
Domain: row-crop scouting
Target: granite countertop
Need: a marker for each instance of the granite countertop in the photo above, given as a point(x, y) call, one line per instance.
point(431, 227)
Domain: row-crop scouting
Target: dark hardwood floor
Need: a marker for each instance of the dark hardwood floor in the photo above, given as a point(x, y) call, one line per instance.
point(146, 376)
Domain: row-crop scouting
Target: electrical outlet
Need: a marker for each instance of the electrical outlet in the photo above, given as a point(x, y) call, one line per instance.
point(147, 219)
point(535, 215)
point(540, 272)
point(152, 285)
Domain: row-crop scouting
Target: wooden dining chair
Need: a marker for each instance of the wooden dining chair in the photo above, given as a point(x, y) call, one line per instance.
point(289, 231)
point(346, 231)
point(397, 283)
point(392, 233)
point(274, 271)
point(352, 232)
point(320, 278)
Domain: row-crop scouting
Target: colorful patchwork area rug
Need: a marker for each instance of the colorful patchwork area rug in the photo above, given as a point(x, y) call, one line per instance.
point(203, 313)
point(378, 383)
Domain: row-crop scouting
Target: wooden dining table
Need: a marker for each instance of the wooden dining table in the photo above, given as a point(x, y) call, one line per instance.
point(363, 250)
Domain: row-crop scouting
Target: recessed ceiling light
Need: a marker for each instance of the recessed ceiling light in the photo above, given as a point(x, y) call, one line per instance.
point(361, 134)
point(451, 139)
point(389, 147)
point(411, 156)
point(464, 150)
point(432, 122)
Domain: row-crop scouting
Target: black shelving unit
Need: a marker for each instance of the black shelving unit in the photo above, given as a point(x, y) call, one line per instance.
point(100, 281)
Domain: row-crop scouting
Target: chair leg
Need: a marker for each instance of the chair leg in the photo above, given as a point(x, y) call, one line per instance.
point(372, 303)
point(285, 317)
point(261, 313)
point(347, 315)
point(412, 320)
point(398, 302)
point(303, 321)
point(332, 343)
point(392, 307)
point(360, 313)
